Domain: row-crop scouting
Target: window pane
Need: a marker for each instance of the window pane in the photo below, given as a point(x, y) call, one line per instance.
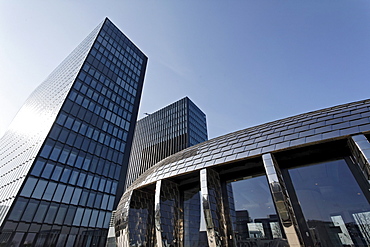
point(254, 216)
point(59, 192)
point(49, 192)
point(30, 210)
point(61, 213)
point(49, 218)
point(86, 218)
point(70, 215)
point(18, 209)
point(41, 211)
point(68, 194)
point(76, 196)
point(57, 172)
point(36, 170)
point(78, 216)
point(28, 187)
point(39, 190)
point(47, 171)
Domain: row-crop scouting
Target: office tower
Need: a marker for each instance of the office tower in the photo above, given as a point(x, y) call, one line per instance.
point(171, 129)
point(64, 158)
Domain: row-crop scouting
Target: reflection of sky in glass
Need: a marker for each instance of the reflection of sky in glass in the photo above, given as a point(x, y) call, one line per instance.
point(253, 195)
point(328, 189)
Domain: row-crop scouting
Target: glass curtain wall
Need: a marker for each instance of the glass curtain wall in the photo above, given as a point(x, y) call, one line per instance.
point(334, 206)
point(256, 222)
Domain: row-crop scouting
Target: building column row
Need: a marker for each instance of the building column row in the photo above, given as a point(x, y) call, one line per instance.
point(167, 208)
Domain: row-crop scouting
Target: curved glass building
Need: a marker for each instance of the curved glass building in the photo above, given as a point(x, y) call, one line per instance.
point(298, 181)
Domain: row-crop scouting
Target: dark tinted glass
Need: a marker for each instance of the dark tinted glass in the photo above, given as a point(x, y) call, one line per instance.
point(333, 204)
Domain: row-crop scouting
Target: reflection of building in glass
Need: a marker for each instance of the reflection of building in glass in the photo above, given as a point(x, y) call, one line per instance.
point(63, 161)
point(247, 228)
point(165, 132)
point(299, 181)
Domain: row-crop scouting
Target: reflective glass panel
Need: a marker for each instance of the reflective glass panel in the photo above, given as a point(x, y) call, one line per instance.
point(335, 208)
point(255, 221)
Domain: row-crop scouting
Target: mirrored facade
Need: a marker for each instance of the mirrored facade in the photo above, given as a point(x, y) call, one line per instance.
point(298, 181)
point(64, 159)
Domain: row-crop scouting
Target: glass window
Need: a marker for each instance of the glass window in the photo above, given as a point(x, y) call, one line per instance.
point(80, 159)
point(37, 168)
point(47, 170)
point(254, 217)
point(49, 192)
point(17, 238)
point(41, 211)
point(76, 196)
point(39, 189)
point(86, 218)
point(89, 180)
point(49, 218)
point(57, 172)
point(334, 206)
point(98, 200)
point(65, 175)
point(28, 240)
point(107, 219)
point(63, 135)
point(87, 162)
point(47, 148)
point(108, 186)
point(68, 194)
point(28, 187)
point(110, 204)
point(73, 178)
point(117, 173)
point(69, 122)
point(72, 157)
point(65, 152)
point(70, 215)
point(91, 199)
point(61, 213)
point(59, 193)
point(84, 196)
point(102, 184)
point(100, 219)
point(114, 188)
point(56, 151)
point(30, 210)
point(94, 217)
point(78, 216)
point(81, 179)
point(71, 138)
point(18, 209)
point(96, 183)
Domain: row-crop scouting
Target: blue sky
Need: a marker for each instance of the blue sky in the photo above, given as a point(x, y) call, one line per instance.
point(243, 63)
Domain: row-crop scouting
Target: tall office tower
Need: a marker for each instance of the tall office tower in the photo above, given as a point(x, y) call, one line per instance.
point(64, 159)
point(167, 131)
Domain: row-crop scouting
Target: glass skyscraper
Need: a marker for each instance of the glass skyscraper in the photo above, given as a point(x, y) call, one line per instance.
point(165, 132)
point(64, 158)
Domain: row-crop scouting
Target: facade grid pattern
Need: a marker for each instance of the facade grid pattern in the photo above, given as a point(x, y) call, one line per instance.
point(78, 173)
point(163, 133)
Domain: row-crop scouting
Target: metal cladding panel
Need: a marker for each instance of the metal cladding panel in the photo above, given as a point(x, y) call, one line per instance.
point(301, 130)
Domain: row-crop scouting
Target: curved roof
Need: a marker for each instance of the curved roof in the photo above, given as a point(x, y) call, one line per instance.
point(300, 130)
